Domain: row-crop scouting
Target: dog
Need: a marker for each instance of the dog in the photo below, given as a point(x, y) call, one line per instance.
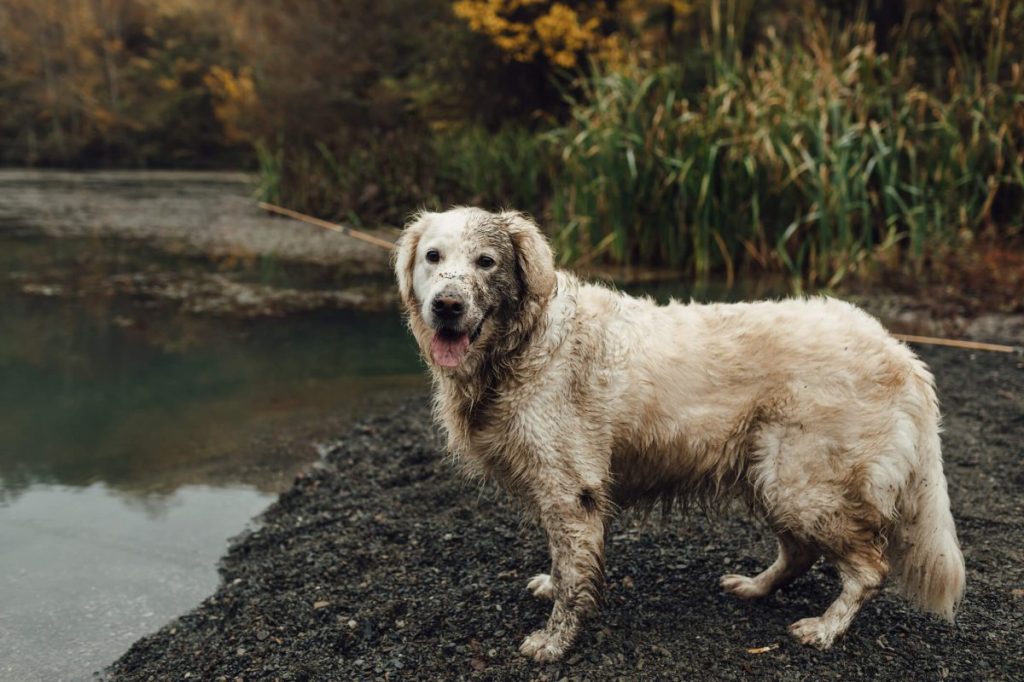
point(582, 401)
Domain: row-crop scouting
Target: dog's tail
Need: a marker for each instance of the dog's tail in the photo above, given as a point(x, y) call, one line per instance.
point(927, 563)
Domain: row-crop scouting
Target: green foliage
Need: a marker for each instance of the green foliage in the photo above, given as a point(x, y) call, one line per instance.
point(510, 167)
point(809, 158)
point(388, 177)
point(381, 177)
point(809, 137)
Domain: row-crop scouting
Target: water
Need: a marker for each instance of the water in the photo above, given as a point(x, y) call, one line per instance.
point(87, 570)
point(136, 439)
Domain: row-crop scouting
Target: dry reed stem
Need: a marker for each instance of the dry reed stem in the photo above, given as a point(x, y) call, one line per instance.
point(956, 343)
point(384, 244)
point(334, 227)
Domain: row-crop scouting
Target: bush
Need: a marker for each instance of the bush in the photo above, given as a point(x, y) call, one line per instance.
point(114, 83)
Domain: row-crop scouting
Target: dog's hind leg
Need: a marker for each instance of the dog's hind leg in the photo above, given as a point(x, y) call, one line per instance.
point(862, 568)
point(795, 558)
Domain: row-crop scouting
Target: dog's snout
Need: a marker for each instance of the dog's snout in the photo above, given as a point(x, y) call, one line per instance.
point(447, 307)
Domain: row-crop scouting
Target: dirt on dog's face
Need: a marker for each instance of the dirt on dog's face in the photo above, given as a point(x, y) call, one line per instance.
point(463, 280)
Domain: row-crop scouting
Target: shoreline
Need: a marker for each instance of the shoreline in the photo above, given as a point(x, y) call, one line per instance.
point(194, 240)
point(381, 562)
point(211, 218)
point(211, 214)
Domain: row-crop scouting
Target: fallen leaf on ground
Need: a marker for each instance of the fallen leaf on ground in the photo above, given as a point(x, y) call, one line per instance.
point(763, 649)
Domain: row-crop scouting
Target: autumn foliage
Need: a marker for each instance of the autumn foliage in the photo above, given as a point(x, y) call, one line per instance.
point(112, 82)
point(811, 137)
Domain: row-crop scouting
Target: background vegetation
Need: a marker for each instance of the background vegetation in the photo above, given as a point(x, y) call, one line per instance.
point(809, 137)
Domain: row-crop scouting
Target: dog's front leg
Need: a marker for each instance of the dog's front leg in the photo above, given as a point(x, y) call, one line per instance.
point(574, 522)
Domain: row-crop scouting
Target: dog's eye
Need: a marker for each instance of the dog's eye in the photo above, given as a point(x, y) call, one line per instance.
point(433, 256)
point(485, 261)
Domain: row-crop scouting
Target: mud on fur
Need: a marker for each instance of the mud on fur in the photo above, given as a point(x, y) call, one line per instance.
point(582, 402)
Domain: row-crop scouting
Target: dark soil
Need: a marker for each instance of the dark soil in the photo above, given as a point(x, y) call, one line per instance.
point(383, 564)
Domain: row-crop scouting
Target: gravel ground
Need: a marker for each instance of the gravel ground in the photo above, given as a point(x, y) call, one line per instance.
point(382, 563)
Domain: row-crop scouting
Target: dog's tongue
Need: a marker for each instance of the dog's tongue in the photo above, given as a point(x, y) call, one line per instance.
point(449, 351)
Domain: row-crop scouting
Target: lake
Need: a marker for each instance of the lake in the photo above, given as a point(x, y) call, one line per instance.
point(136, 438)
point(154, 401)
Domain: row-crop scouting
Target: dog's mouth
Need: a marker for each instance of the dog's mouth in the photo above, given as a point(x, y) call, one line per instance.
point(449, 346)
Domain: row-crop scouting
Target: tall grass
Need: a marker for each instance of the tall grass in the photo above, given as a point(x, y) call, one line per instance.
point(510, 167)
point(385, 179)
point(809, 158)
point(812, 155)
point(373, 178)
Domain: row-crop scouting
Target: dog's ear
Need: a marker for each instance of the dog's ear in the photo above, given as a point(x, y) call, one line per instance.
point(535, 262)
point(403, 257)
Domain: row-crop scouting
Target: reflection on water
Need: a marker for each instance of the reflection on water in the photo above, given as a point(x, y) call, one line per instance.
point(137, 398)
point(84, 572)
point(135, 439)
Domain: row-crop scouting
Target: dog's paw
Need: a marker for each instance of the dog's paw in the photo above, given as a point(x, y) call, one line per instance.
point(541, 586)
point(542, 647)
point(816, 632)
point(741, 586)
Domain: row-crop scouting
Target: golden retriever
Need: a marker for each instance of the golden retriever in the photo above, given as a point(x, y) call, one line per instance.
point(582, 401)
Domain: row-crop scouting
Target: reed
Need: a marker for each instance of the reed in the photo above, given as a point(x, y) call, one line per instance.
point(383, 180)
point(508, 167)
point(813, 155)
point(815, 158)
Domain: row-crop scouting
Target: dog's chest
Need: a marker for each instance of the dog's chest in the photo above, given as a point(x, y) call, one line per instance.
point(490, 442)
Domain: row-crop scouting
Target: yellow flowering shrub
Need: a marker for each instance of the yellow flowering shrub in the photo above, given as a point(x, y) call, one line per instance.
point(528, 29)
point(564, 32)
point(234, 96)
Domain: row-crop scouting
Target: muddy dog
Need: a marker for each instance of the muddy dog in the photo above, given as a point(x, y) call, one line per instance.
point(583, 401)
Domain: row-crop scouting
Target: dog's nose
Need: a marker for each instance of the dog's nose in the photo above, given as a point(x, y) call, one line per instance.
point(447, 308)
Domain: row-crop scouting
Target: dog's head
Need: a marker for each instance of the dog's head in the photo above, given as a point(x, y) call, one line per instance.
point(466, 276)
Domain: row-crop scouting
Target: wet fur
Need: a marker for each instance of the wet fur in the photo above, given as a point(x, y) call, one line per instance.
point(583, 401)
